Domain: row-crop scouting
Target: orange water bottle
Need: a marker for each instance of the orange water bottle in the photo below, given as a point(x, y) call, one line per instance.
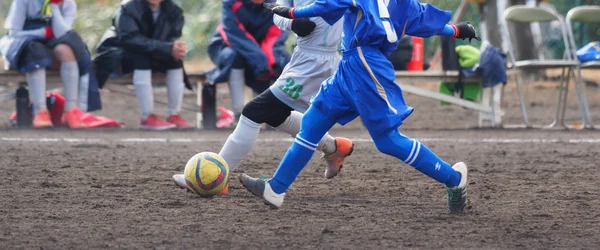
point(416, 63)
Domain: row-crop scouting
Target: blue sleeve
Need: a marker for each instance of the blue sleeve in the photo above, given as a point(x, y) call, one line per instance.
point(426, 20)
point(330, 10)
point(239, 39)
point(447, 31)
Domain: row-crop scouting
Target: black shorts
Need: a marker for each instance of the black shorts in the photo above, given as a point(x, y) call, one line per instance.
point(266, 108)
point(142, 61)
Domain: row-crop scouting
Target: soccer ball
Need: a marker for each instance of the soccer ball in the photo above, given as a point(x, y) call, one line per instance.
point(206, 174)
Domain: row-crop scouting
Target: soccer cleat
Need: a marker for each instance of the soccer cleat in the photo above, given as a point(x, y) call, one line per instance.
point(73, 118)
point(226, 118)
point(179, 122)
point(261, 188)
point(457, 196)
point(42, 120)
point(344, 148)
point(153, 122)
point(179, 180)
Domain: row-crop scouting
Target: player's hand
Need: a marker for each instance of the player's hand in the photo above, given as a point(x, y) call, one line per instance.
point(279, 10)
point(466, 31)
point(179, 50)
point(303, 27)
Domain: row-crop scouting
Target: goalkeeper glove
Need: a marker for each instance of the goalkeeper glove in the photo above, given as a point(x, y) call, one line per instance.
point(279, 10)
point(465, 30)
point(303, 27)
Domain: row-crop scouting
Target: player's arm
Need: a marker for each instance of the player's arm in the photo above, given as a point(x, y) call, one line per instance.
point(425, 20)
point(331, 11)
point(301, 26)
point(15, 21)
point(240, 40)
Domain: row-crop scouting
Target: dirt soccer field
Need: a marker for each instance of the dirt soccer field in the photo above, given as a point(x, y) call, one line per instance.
point(112, 188)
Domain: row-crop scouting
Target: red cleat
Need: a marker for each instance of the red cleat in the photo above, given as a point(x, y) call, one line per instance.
point(335, 161)
point(153, 122)
point(73, 118)
point(179, 121)
point(42, 120)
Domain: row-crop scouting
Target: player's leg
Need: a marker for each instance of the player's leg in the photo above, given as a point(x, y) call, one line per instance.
point(69, 73)
point(142, 83)
point(36, 80)
point(175, 87)
point(314, 126)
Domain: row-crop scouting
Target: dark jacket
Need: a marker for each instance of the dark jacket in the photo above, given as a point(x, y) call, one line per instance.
point(135, 30)
point(247, 30)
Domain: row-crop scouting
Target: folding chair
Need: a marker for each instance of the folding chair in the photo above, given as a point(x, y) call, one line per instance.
point(530, 14)
point(583, 14)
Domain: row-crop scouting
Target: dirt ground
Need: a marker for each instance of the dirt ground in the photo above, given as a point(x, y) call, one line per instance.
point(112, 188)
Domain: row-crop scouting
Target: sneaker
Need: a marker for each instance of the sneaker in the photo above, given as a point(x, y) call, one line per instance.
point(42, 120)
point(73, 118)
point(226, 119)
point(457, 196)
point(153, 122)
point(180, 181)
point(261, 188)
point(344, 148)
point(179, 122)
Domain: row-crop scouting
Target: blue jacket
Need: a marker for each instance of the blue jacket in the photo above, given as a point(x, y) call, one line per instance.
point(247, 30)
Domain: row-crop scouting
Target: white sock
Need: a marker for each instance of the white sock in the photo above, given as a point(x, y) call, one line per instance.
point(291, 126)
point(69, 73)
point(36, 80)
point(84, 86)
point(236, 90)
point(142, 82)
point(174, 90)
point(240, 142)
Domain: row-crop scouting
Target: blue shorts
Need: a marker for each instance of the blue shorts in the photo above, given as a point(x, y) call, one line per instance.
point(363, 85)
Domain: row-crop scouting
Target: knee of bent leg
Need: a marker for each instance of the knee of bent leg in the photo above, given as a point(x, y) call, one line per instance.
point(254, 112)
point(63, 53)
point(394, 144)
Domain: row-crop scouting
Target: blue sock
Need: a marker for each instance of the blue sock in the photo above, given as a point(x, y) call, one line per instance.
point(417, 155)
point(314, 126)
point(292, 164)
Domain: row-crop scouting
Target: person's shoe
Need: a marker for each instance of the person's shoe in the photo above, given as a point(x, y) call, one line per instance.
point(344, 148)
point(179, 180)
point(73, 118)
point(42, 120)
point(261, 188)
point(153, 122)
point(457, 196)
point(226, 118)
point(179, 122)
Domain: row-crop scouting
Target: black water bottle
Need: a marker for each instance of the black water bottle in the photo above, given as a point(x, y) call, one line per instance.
point(23, 111)
point(209, 106)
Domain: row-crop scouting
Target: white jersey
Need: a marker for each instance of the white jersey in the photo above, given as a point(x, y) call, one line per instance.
point(324, 36)
point(315, 58)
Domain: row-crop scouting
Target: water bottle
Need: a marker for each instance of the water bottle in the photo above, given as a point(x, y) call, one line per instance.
point(23, 111)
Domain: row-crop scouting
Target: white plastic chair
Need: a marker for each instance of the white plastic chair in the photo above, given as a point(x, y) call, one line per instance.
point(531, 14)
point(583, 14)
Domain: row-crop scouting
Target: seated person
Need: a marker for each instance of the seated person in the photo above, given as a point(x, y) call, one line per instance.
point(247, 48)
point(34, 42)
point(145, 37)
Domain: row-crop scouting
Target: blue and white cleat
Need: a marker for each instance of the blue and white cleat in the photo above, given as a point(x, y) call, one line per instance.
point(261, 188)
point(457, 196)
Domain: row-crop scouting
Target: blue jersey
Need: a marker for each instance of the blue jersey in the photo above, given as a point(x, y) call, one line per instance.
point(378, 23)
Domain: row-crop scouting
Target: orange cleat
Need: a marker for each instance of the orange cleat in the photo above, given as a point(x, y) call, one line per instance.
point(179, 122)
point(42, 120)
point(73, 118)
point(153, 122)
point(335, 161)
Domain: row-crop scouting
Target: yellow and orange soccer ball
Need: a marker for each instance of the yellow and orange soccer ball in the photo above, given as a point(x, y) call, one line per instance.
point(207, 174)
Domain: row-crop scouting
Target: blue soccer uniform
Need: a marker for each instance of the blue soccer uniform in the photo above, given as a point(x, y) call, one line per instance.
point(363, 85)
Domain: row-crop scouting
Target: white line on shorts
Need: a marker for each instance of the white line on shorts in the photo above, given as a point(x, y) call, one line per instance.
point(360, 140)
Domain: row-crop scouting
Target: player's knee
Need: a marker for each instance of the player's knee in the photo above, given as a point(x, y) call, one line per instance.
point(395, 145)
point(64, 53)
point(253, 111)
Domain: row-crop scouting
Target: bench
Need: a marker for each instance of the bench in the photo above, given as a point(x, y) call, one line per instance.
point(490, 113)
